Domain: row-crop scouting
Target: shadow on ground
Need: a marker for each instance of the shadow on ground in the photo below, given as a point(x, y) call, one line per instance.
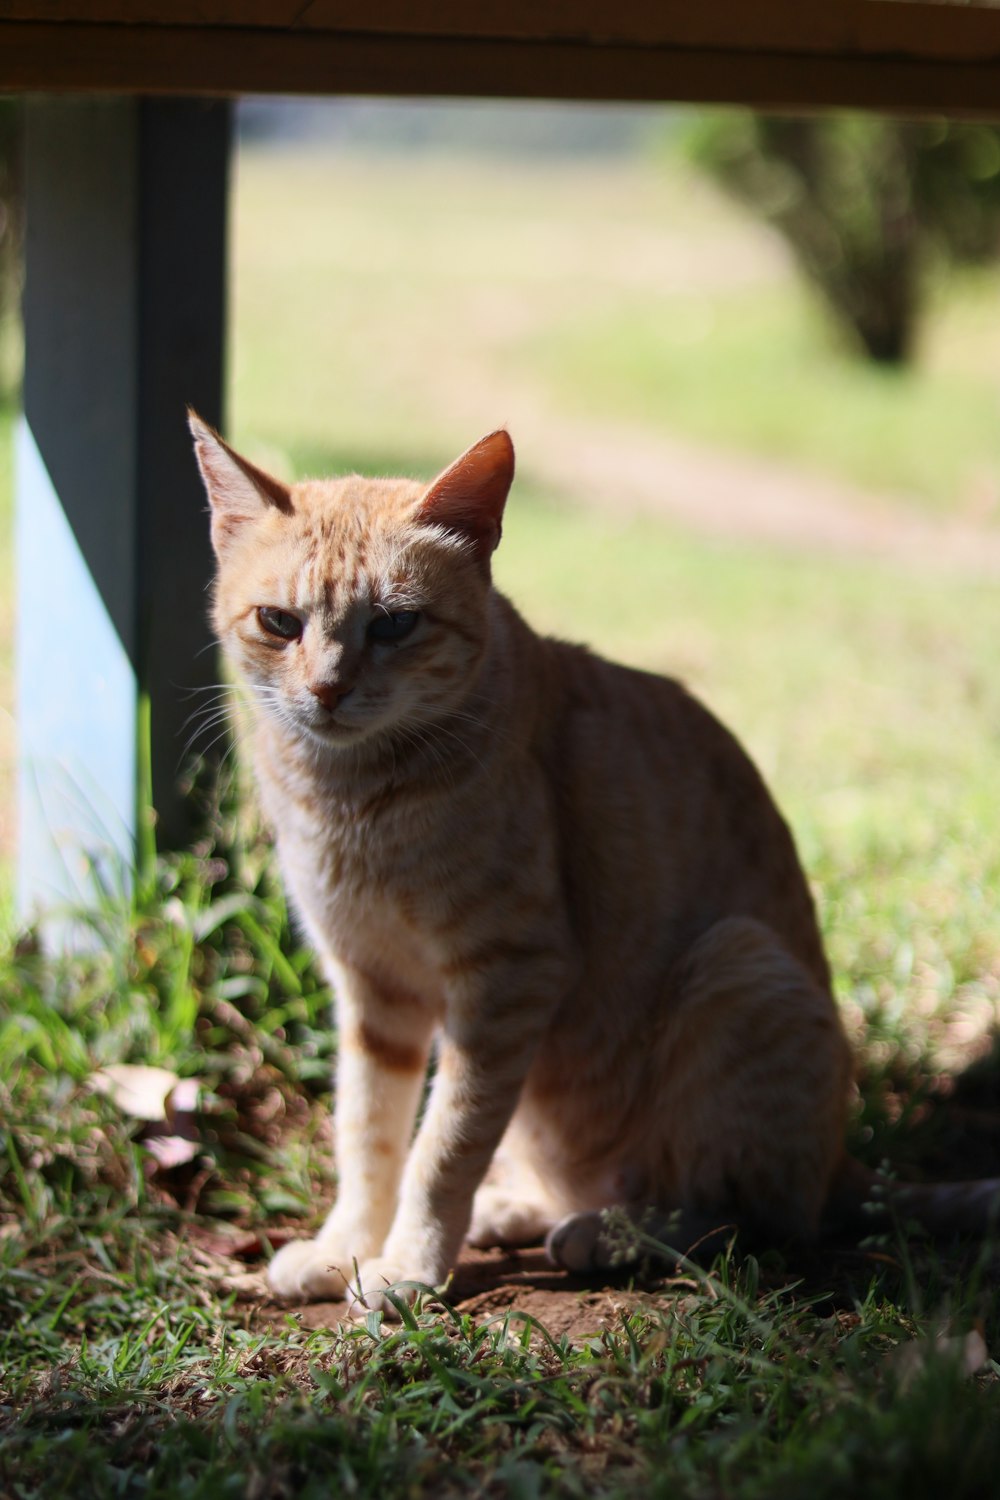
point(928, 1127)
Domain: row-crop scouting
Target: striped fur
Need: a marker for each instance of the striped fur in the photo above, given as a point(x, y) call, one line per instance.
point(560, 878)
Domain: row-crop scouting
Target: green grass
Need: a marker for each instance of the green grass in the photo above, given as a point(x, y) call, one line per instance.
point(386, 314)
point(134, 1361)
point(687, 1400)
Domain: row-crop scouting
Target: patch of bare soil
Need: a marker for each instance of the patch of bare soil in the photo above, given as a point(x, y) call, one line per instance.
point(492, 1284)
point(488, 1284)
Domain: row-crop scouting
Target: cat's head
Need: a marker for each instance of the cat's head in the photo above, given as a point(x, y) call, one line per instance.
point(354, 607)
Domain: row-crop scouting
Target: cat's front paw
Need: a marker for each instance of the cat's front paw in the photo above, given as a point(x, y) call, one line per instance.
point(309, 1271)
point(376, 1277)
point(501, 1218)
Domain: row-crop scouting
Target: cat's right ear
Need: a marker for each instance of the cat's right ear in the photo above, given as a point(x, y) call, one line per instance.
point(237, 490)
point(469, 497)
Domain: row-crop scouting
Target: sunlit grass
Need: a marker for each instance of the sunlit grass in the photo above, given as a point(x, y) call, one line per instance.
point(868, 696)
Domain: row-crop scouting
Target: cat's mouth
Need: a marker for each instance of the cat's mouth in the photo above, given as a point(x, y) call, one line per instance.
point(334, 729)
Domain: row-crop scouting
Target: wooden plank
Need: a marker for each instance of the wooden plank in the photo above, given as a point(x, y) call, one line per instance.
point(124, 307)
point(840, 28)
point(177, 60)
point(906, 28)
point(636, 22)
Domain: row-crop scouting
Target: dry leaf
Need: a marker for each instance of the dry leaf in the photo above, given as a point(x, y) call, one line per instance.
point(138, 1090)
point(170, 1151)
point(166, 1103)
point(183, 1098)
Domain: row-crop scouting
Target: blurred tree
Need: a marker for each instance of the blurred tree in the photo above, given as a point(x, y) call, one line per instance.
point(864, 202)
point(10, 244)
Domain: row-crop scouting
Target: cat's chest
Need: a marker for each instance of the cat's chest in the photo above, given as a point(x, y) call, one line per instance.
point(370, 880)
point(359, 913)
point(364, 852)
point(369, 841)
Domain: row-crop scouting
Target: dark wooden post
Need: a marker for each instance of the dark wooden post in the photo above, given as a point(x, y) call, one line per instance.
point(124, 323)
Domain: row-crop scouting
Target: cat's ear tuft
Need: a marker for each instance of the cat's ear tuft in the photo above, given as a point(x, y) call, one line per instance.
point(237, 490)
point(469, 497)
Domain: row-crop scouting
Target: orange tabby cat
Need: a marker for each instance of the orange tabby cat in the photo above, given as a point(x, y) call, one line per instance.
point(563, 875)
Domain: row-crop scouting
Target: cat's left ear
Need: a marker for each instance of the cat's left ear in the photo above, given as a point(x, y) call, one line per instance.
point(237, 490)
point(469, 497)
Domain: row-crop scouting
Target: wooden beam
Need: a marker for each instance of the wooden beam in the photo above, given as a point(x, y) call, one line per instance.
point(171, 60)
point(913, 28)
point(891, 54)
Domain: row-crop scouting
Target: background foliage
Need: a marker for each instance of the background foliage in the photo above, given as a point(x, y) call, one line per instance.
point(866, 204)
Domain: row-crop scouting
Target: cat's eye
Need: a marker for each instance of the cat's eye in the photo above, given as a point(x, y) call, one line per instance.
point(280, 622)
point(394, 625)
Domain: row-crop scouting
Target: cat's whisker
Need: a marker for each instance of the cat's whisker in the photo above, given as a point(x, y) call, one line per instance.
point(191, 741)
point(217, 689)
point(207, 687)
point(203, 727)
point(218, 705)
point(456, 715)
point(408, 737)
point(224, 734)
point(234, 746)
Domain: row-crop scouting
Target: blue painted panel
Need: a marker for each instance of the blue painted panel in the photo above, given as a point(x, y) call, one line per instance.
point(76, 707)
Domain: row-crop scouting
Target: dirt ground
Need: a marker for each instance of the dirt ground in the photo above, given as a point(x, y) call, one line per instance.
point(487, 1283)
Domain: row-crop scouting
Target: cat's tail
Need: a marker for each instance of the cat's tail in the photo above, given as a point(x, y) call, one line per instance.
point(862, 1197)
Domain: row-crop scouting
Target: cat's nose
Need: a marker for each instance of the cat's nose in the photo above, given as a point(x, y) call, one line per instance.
point(329, 693)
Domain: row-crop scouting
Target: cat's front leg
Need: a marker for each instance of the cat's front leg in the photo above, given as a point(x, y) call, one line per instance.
point(480, 1074)
point(382, 1051)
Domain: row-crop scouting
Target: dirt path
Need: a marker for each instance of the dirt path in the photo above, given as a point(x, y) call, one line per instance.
point(741, 497)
